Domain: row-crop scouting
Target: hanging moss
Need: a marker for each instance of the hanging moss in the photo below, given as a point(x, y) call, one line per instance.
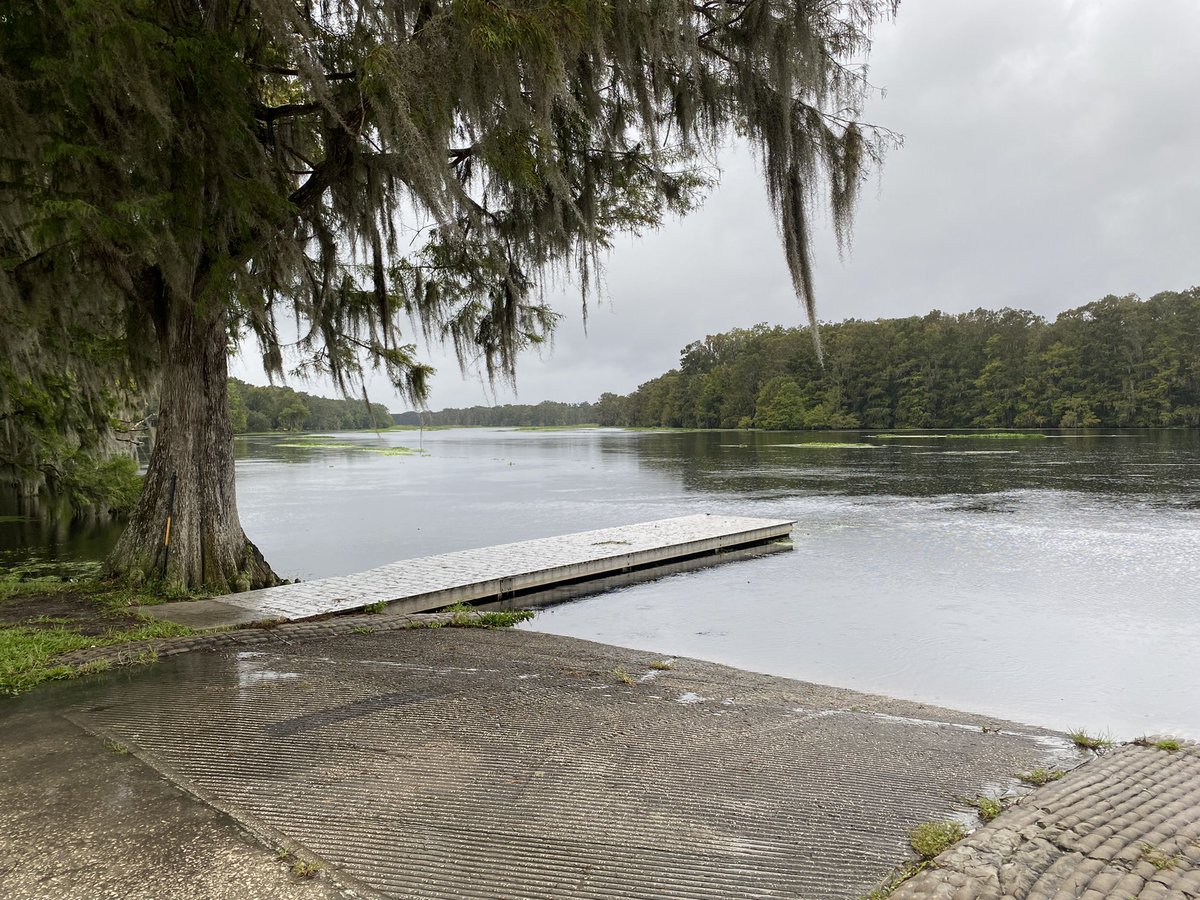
point(177, 177)
point(278, 158)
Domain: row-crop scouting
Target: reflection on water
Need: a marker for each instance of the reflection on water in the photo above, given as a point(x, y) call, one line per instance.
point(43, 533)
point(1055, 581)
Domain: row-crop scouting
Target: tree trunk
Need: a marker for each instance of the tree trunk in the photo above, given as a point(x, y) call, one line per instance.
point(184, 532)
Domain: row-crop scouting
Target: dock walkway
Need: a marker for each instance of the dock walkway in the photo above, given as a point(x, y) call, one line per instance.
point(468, 576)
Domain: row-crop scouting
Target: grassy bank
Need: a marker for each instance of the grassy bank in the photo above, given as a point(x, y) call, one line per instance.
point(43, 616)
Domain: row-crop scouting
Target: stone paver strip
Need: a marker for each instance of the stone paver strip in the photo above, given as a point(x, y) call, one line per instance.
point(1125, 825)
point(418, 585)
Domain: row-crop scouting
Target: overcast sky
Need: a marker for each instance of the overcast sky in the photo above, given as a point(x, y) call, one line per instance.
point(1051, 156)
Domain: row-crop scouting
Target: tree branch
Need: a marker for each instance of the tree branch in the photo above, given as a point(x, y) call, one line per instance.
point(287, 110)
point(295, 73)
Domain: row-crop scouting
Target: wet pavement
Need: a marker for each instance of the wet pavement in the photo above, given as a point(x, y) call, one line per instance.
point(443, 763)
point(1127, 825)
point(80, 820)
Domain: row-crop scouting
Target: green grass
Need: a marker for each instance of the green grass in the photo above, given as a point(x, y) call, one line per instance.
point(897, 878)
point(969, 436)
point(504, 618)
point(27, 654)
point(1085, 741)
point(988, 807)
point(928, 840)
point(463, 615)
point(662, 665)
point(377, 607)
point(85, 579)
point(932, 838)
point(1168, 744)
point(1039, 777)
point(35, 577)
point(624, 677)
point(30, 646)
point(305, 869)
point(1159, 859)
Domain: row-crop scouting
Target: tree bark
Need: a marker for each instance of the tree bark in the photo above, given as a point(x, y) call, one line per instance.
point(184, 532)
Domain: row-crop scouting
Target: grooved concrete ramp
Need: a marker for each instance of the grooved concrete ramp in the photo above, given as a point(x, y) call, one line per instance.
point(1126, 825)
point(431, 582)
point(505, 764)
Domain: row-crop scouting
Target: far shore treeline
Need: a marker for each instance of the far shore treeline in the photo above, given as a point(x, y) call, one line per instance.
point(256, 409)
point(1117, 362)
point(546, 414)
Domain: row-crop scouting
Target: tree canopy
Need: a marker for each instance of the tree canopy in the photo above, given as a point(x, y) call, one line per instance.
point(270, 156)
point(1119, 361)
point(255, 409)
point(178, 175)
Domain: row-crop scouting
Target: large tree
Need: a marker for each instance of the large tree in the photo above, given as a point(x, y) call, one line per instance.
point(210, 169)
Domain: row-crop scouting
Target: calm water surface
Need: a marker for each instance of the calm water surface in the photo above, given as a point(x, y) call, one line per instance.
point(1054, 581)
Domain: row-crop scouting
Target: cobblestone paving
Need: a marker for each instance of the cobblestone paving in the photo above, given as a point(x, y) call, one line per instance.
point(1125, 825)
point(468, 575)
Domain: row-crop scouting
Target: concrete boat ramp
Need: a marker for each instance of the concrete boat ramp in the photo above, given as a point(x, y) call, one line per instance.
point(379, 760)
point(442, 764)
point(500, 572)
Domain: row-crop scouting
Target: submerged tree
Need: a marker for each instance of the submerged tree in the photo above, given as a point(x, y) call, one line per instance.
point(209, 168)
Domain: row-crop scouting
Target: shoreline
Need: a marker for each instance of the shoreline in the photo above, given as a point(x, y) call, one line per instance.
point(616, 673)
point(639, 738)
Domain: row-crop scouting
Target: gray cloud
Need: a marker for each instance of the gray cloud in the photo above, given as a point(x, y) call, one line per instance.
point(1050, 158)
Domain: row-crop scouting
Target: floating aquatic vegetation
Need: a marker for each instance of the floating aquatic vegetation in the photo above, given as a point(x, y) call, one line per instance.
point(831, 445)
point(966, 436)
point(317, 443)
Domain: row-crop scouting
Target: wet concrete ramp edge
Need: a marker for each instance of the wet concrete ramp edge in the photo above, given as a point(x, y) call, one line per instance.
point(494, 764)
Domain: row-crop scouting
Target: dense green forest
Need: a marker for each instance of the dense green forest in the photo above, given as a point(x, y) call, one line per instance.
point(545, 413)
point(254, 409)
point(1119, 361)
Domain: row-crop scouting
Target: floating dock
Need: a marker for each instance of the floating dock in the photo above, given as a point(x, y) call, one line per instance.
point(487, 573)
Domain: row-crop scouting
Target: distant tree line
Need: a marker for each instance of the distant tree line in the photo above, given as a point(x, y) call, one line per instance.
point(254, 409)
point(1119, 361)
point(546, 413)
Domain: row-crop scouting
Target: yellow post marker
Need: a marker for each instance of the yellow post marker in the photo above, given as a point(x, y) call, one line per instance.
point(167, 532)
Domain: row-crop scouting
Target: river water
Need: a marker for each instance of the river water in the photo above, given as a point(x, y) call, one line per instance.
point(1053, 581)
